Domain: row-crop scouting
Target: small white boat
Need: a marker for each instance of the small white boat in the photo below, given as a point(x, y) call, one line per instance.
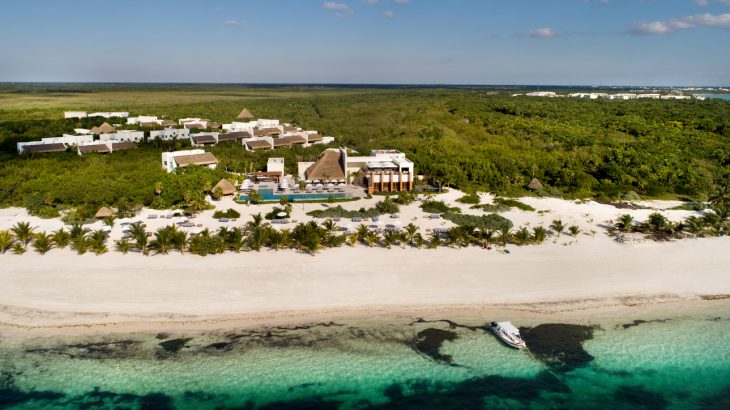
point(508, 333)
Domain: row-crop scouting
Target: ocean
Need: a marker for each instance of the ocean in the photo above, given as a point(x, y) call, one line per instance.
point(716, 96)
point(670, 362)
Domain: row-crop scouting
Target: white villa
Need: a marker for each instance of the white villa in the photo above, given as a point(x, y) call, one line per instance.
point(175, 159)
point(83, 114)
point(381, 171)
point(53, 144)
point(170, 134)
point(144, 119)
point(123, 136)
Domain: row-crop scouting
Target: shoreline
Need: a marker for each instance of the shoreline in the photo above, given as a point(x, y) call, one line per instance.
point(607, 311)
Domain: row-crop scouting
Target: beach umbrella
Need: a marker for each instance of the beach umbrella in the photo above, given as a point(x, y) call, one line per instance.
point(281, 214)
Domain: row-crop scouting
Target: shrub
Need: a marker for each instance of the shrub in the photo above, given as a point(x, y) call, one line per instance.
point(437, 207)
point(230, 213)
point(471, 199)
point(207, 245)
point(387, 206)
point(491, 222)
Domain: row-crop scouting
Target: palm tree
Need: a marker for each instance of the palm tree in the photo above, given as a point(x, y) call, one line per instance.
point(123, 245)
point(657, 222)
point(371, 238)
point(98, 241)
point(77, 230)
point(162, 242)
point(109, 221)
point(625, 223)
point(721, 195)
point(6, 241)
point(522, 236)
point(276, 239)
point(418, 240)
point(695, 225)
point(18, 248)
point(140, 235)
point(257, 232)
point(329, 228)
point(539, 234)
point(409, 233)
point(574, 230)
point(235, 238)
point(362, 230)
point(23, 232)
point(254, 197)
point(80, 244)
point(42, 243)
point(180, 240)
point(60, 238)
point(352, 239)
point(434, 240)
point(390, 238)
point(557, 226)
point(504, 235)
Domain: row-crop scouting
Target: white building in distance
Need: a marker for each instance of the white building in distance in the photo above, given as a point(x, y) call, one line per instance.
point(170, 134)
point(172, 160)
point(144, 119)
point(53, 144)
point(74, 114)
point(123, 136)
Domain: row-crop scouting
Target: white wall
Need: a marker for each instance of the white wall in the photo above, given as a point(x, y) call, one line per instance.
point(170, 134)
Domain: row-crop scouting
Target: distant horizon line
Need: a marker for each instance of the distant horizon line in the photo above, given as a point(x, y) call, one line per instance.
point(426, 85)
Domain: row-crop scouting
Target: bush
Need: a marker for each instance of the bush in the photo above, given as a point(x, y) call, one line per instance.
point(230, 214)
point(387, 206)
point(491, 222)
point(471, 199)
point(340, 212)
point(437, 207)
point(207, 245)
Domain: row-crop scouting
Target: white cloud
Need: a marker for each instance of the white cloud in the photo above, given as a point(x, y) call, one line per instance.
point(340, 7)
point(683, 23)
point(703, 3)
point(233, 22)
point(545, 32)
point(370, 2)
point(388, 14)
point(401, 1)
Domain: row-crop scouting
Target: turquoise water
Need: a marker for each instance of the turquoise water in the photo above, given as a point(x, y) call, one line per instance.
point(670, 363)
point(269, 195)
point(716, 96)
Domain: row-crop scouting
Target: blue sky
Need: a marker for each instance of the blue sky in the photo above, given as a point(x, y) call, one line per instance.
point(602, 42)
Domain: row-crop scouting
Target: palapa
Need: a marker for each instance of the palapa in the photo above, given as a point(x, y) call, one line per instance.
point(104, 212)
point(245, 113)
point(226, 187)
point(534, 184)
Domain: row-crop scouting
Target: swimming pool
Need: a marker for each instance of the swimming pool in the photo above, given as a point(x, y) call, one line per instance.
point(269, 196)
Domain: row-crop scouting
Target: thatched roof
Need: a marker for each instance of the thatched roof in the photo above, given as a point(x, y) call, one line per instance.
point(104, 212)
point(194, 125)
point(226, 187)
point(245, 113)
point(104, 128)
point(328, 166)
point(196, 159)
point(534, 184)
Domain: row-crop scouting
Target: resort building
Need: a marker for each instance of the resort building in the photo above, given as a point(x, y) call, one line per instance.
point(175, 159)
point(147, 120)
point(53, 144)
point(542, 94)
point(169, 134)
point(104, 128)
point(650, 96)
point(117, 114)
point(74, 114)
point(382, 171)
point(123, 136)
point(103, 147)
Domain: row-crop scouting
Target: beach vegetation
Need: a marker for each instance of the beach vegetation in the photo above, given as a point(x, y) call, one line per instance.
point(491, 222)
point(574, 230)
point(471, 198)
point(539, 234)
point(123, 245)
point(230, 213)
point(6, 241)
point(433, 206)
point(434, 240)
point(42, 243)
point(80, 244)
point(625, 223)
point(23, 232)
point(18, 248)
point(557, 226)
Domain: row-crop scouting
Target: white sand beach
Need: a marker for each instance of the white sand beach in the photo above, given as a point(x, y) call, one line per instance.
point(63, 290)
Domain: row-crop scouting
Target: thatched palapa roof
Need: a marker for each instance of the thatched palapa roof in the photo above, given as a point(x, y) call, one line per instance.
point(328, 166)
point(245, 113)
point(104, 212)
point(534, 184)
point(226, 187)
point(104, 128)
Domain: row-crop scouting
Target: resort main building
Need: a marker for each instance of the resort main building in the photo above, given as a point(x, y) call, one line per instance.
point(382, 171)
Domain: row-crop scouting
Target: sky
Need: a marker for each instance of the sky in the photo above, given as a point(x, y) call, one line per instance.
point(556, 42)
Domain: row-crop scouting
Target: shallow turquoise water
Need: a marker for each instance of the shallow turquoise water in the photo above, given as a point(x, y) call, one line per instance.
point(268, 195)
point(674, 363)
